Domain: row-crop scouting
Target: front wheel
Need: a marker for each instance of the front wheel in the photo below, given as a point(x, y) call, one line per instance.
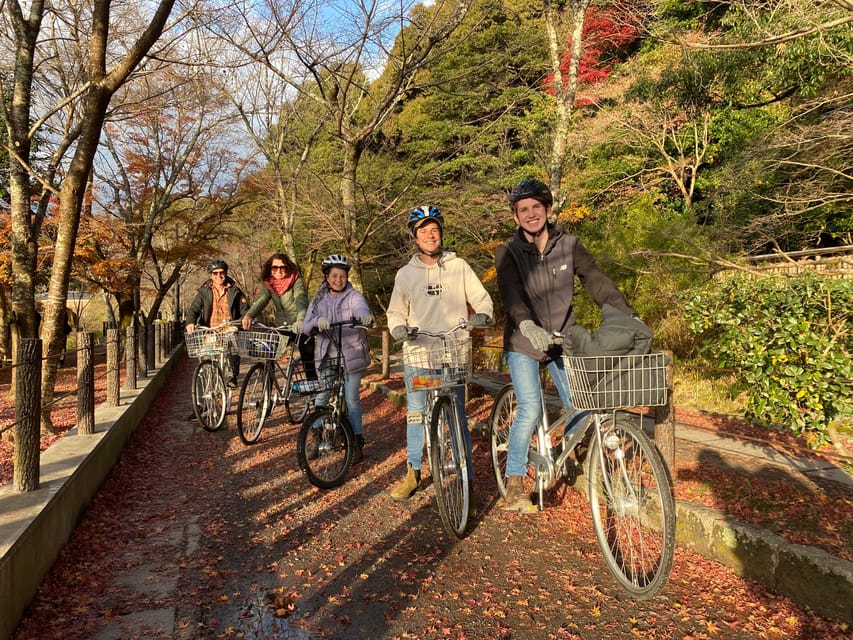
point(210, 398)
point(449, 467)
point(255, 403)
point(633, 510)
point(324, 448)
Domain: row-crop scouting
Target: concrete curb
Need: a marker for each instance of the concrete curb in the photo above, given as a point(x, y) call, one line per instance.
point(809, 576)
point(35, 526)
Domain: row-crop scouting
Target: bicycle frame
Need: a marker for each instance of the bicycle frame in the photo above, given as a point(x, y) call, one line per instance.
point(440, 369)
point(628, 485)
point(212, 399)
point(326, 430)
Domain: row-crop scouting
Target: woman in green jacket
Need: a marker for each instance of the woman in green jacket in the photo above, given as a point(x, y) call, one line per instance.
point(283, 284)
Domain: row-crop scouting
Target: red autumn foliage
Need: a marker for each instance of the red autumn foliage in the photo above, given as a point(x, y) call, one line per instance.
point(608, 34)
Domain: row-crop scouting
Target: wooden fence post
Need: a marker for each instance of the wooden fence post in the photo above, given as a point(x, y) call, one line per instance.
point(112, 367)
point(386, 355)
point(130, 358)
point(85, 383)
point(158, 344)
point(150, 348)
point(665, 420)
point(142, 350)
point(27, 415)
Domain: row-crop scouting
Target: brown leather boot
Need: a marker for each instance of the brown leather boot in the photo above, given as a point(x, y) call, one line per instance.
point(407, 487)
point(516, 499)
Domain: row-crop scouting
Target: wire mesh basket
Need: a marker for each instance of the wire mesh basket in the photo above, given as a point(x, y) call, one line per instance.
point(264, 345)
point(204, 342)
point(614, 382)
point(322, 376)
point(442, 363)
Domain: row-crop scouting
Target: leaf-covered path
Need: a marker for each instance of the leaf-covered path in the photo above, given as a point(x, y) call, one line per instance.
point(195, 535)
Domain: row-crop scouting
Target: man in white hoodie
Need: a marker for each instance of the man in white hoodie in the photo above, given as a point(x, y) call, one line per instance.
point(432, 292)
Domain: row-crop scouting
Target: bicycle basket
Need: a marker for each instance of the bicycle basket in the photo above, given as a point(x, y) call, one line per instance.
point(265, 345)
point(433, 365)
point(322, 380)
point(614, 382)
point(205, 342)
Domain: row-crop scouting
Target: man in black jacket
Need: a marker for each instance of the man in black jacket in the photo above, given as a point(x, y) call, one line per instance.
point(536, 271)
point(217, 301)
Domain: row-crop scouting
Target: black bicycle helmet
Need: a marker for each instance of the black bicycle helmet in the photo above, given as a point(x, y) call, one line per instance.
point(213, 265)
point(335, 260)
point(531, 188)
point(420, 216)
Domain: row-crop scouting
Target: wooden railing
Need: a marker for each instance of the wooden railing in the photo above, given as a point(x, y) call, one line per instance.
point(143, 353)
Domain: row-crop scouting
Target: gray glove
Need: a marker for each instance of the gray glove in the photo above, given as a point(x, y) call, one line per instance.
point(297, 326)
point(364, 320)
point(539, 338)
point(323, 324)
point(400, 333)
point(479, 320)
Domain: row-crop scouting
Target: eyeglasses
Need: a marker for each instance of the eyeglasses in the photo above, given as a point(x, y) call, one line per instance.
point(278, 267)
point(217, 273)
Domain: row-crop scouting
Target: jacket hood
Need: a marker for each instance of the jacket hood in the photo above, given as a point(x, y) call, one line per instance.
point(554, 234)
point(446, 256)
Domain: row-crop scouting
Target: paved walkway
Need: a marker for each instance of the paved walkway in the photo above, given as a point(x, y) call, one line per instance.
point(196, 536)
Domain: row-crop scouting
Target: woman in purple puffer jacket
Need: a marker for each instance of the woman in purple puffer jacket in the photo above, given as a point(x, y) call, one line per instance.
point(338, 301)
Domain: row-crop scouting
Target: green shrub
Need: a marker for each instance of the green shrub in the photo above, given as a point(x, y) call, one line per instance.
point(789, 342)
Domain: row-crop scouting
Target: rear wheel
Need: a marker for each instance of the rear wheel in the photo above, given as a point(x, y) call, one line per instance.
point(449, 467)
point(633, 510)
point(324, 448)
point(500, 420)
point(296, 404)
point(209, 395)
point(255, 403)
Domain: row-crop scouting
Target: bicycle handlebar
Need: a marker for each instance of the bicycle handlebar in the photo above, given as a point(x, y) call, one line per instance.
point(281, 328)
point(219, 327)
point(414, 332)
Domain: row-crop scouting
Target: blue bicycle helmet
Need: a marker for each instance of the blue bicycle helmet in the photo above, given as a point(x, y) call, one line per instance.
point(335, 260)
point(420, 216)
point(531, 188)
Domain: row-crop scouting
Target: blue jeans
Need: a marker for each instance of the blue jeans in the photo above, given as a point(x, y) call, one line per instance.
point(524, 372)
point(415, 407)
point(352, 392)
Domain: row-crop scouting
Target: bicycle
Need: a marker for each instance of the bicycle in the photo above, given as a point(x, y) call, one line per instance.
point(261, 391)
point(327, 427)
point(439, 367)
point(211, 398)
point(628, 484)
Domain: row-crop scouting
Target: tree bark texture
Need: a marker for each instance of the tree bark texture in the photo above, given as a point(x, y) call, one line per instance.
point(85, 383)
point(113, 396)
point(27, 434)
point(130, 358)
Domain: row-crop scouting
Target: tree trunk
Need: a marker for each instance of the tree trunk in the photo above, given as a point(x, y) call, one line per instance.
point(565, 90)
point(349, 182)
point(27, 449)
point(70, 206)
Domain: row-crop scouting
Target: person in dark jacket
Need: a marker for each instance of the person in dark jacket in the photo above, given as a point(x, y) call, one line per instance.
point(536, 271)
point(218, 300)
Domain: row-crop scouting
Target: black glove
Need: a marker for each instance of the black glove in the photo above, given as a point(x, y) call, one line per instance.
point(400, 333)
point(539, 338)
point(479, 320)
